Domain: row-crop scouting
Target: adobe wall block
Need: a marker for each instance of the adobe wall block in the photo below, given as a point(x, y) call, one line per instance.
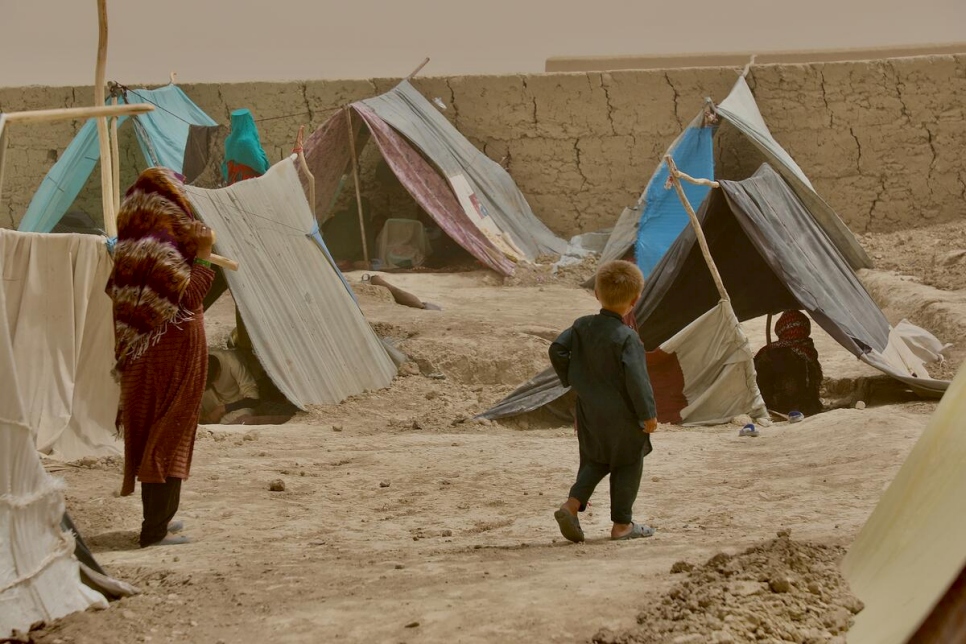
point(642, 103)
point(493, 107)
point(792, 97)
point(569, 105)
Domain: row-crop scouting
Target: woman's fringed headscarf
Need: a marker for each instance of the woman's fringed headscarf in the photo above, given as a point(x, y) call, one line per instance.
point(152, 263)
point(793, 329)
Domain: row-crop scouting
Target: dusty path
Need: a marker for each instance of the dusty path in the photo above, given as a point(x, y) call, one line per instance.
point(461, 540)
point(397, 525)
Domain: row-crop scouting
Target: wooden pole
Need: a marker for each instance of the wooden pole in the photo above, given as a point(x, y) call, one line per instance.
point(418, 69)
point(103, 135)
point(68, 113)
point(355, 177)
point(305, 166)
point(115, 167)
point(674, 177)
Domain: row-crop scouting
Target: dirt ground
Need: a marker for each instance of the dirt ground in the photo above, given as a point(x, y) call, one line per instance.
point(404, 520)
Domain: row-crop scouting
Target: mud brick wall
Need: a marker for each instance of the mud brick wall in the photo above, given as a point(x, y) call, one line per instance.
point(883, 141)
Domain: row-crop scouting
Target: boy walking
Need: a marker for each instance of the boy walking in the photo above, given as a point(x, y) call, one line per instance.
point(603, 360)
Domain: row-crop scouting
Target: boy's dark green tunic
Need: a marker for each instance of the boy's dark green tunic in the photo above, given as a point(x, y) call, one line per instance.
point(603, 360)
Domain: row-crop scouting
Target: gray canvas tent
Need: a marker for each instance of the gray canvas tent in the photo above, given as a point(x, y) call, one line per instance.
point(306, 329)
point(470, 196)
point(773, 256)
point(647, 223)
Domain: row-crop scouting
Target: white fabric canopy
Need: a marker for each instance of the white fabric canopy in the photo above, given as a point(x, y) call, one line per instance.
point(308, 332)
point(39, 577)
point(914, 544)
point(62, 334)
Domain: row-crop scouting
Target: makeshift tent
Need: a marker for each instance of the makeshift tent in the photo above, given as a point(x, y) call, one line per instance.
point(307, 331)
point(470, 197)
point(772, 256)
point(655, 221)
point(908, 564)
point(39, 578)
point(61, 329)
point(161, 134)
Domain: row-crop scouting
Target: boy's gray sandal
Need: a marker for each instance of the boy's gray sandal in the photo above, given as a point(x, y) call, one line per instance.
point(638, 531)
point(569, 526)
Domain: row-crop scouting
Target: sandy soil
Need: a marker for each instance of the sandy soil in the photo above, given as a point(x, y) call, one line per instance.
point(399, 523)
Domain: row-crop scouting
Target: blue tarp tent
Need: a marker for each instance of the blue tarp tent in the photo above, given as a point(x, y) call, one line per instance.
point(161, 134)
point(654, 222)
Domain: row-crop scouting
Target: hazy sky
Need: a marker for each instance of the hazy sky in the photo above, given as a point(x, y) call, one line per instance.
point(54, 42)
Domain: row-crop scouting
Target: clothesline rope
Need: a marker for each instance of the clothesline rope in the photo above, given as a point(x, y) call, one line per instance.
point(127, 90)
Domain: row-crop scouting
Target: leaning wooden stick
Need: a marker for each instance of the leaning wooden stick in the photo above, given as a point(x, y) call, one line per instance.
point(300, 152)
point(68, 113)
point(674, 178)
point(355, 177)
point(218, 260)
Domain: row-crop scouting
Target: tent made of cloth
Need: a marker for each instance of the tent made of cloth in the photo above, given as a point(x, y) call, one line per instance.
point(908, 563)
point(161, 134)
point(654, 222)
point(61, 329)
point(306, 329)
point(39, 577)
point(772, 256)
point(470, 196)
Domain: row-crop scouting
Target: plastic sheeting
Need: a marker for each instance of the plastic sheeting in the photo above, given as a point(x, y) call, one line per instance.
point(718, 367)
point(61, 328)
point(307, 331)
point(663, 216)
point(741, 110)
point(408, 112)
point(162, 135)
point(653, 224)
point(39, 577)
point(914, 544)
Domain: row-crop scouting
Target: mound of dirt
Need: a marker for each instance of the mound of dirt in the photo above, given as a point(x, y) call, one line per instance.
point(782, 590)
point(543, 272)
point(936, 255)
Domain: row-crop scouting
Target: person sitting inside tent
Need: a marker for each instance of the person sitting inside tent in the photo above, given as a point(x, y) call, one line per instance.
point(230, 391)
point(233, 394)
point(789, 373)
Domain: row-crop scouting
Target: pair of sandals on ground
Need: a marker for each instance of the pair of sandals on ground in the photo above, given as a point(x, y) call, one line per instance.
point(571, 530)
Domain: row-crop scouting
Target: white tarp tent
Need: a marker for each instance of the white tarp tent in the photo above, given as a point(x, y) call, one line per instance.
point(62, 335)
point(307, 331)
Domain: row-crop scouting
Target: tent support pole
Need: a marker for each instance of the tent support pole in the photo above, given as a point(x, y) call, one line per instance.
point(115, 167)
point(674, 178)
point(418, 69)
point(303, 164)
point(355, 177)
point(768, 330)
point(69, 113)
point(103, 135)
